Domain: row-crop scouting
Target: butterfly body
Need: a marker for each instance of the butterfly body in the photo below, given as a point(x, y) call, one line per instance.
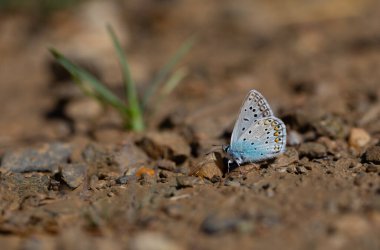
point(257, 135)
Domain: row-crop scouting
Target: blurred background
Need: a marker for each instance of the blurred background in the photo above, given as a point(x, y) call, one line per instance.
point(319, 56)
point(316, 61)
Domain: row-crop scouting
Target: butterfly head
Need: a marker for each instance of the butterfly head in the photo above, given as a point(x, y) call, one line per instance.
point(226, 148)
point(232, 156)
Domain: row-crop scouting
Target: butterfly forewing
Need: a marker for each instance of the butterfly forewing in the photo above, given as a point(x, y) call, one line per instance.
point(254, 107)
point(264, 139)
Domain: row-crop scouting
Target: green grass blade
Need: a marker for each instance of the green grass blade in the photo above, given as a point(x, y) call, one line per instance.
point(89, 83)
point(169, 86)
point(168, 67)
point(135, 112)
point(173, 81)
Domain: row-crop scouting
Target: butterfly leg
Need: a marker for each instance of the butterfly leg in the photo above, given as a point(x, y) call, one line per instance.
point(228, 165)
point(231, 162)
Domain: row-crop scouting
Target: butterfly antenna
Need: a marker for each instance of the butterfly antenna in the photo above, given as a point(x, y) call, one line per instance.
point(215, 148)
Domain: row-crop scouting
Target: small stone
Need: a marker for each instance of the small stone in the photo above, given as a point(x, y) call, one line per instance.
point(290, 156)
point(372, 168)
point(294, 138)
point(232, 183)
point(130, 157)
point(166, 165)
point(310, 165)
point(372, 154)
point(313, 150)
point(152, 241)
point(73, 174)
point(216, 179)
point(209, 166)
point(124, 179)
point(186, 181)
point(163, 174)
point(44, 158)
point(216, 225)
point(291, 169)
point(332, 146)
point(358, 138)
point(300, 170)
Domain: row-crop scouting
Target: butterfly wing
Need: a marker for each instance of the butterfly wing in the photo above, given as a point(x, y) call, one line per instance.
point(254, 107)
point(264, 139)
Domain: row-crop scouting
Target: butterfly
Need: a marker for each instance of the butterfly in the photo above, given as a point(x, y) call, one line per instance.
point(257, 135)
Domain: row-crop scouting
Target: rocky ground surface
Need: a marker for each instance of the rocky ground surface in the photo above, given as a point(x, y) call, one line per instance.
point(72, 178)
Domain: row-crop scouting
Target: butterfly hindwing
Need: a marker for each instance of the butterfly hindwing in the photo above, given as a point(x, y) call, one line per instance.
point(254, 107)
point(264, 139)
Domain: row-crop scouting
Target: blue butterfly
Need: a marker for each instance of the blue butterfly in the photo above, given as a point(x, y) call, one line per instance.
point(257, 135)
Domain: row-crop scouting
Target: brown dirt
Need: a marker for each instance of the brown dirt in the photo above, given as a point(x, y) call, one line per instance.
point(317, 63)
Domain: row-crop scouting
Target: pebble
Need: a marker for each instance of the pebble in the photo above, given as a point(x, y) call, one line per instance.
point(372, 168)
point(291, 169)
point(187, 181)
point(209, 166)
point(313, 150)
point(73, 174)
point(290, 156)
point(301, 170)
point(372, 154)
point(294, 138)
point(216, 179)
point(231, 183)
point(153, 241)
point(45, 158)
point(129, 157)
point(215, 225)
point(166, 165)
point(358, 138)
point(122, 180)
